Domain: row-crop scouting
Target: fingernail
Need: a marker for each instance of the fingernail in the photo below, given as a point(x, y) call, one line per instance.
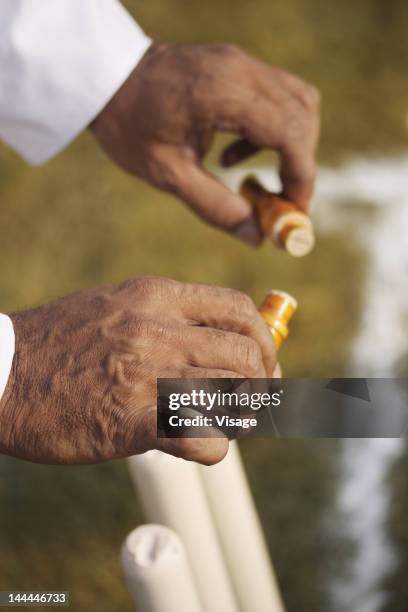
point(249, 232)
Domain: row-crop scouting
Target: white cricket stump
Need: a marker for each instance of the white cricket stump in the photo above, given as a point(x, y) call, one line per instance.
point(157, 571)
point(240, 534)
point(172, 494)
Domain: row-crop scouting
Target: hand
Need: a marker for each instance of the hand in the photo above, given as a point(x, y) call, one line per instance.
point(162, 121)
point(83, 382)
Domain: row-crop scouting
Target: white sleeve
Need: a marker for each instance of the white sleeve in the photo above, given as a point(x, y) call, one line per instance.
point(7, 348)
point(61, 61)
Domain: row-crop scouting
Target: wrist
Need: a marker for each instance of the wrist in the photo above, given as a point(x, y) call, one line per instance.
point(121, 102)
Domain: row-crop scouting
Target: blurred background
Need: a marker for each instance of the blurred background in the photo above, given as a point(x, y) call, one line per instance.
point(334, 512)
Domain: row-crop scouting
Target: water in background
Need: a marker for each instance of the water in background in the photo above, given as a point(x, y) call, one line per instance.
point(362, 499)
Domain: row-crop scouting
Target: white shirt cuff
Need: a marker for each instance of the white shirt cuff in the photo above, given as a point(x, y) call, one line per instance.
point(7, 349)
point(61, 61)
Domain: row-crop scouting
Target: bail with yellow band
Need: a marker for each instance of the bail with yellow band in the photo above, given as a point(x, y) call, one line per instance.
point(283, 222)
point(277, 310)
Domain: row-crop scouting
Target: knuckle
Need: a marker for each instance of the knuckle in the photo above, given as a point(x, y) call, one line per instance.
point(251, 356)
point(127, 285)
point(143, 286)
point(189, 292)
point(152, 330)
point(244, 310)
point(151, 286)
point(244, 304)
point(230, 50)
point(296, 127)
point(312, 97)
point(228, 57)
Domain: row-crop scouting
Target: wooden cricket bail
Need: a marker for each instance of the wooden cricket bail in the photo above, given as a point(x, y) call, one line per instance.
point(277, 310)
point(282, 221)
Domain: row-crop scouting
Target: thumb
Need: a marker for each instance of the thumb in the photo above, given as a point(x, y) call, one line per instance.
point(207, 451)
point(215, 203)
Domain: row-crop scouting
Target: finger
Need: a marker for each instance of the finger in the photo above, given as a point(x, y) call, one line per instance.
point(298, 175)
point(202, 373)
point(295, 141)
point(219, 349)
point(273, 79)
point(277, 373)
point(236, 152)
point(308, 95)
point(282, 123)
point(140, 435)
point(301, 134)
point(206, 451)
point(230, 310)
point(217, 204)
